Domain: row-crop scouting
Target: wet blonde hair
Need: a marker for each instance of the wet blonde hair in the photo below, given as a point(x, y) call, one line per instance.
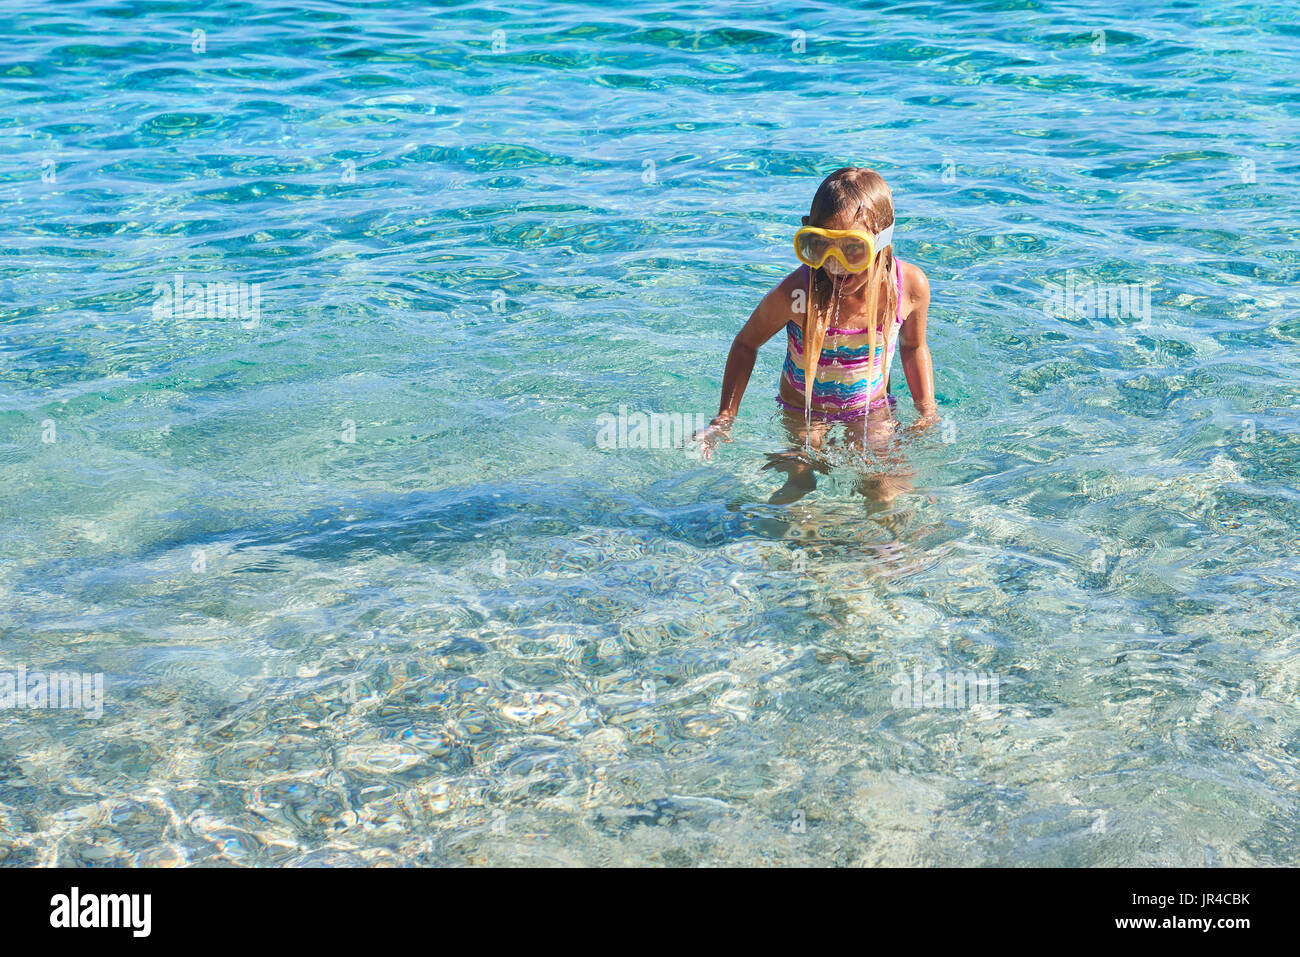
point(863, 196)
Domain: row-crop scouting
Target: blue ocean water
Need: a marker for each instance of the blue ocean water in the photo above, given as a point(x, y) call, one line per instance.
point(365, 587)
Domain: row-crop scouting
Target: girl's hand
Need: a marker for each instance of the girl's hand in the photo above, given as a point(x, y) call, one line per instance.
point(926, 420)
point(719, 431)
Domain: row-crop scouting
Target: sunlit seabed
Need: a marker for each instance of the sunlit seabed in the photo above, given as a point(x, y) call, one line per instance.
point(365, 589)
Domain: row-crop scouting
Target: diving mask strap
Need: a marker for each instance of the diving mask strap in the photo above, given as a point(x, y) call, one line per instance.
point(884, 238)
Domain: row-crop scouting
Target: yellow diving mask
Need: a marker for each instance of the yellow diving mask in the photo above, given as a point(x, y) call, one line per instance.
point(854, 248)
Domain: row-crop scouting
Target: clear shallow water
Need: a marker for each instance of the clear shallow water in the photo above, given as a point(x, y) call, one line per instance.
point(471, 635)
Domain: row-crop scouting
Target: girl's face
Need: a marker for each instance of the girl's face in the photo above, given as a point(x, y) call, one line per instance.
point(845, 281)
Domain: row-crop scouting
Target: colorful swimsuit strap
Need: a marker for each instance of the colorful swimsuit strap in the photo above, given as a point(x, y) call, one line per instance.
point(898, 274)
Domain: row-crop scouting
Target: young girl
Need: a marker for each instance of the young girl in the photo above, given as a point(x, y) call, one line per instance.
point(845, 310)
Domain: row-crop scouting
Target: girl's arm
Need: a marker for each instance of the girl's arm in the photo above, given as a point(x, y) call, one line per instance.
point(769, 318)
point(912, 348)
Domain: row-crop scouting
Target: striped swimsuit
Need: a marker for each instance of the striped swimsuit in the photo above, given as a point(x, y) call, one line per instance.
point(841, 390)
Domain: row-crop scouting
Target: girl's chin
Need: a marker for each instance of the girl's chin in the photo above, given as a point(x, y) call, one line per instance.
point(842, 277)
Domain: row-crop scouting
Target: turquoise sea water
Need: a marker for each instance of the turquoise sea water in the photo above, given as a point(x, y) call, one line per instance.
point(365, 589)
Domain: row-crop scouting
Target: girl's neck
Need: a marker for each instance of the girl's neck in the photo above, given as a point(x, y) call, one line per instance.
point(855, 297)
point(855, 302)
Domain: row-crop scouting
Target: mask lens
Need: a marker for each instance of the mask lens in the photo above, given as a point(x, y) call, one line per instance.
point(855, 251)
point(814, 247)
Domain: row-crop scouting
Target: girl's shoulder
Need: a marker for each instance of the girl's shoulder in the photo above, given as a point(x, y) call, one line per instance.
point(782, 305)
point(791, 291)
point(916, 287)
